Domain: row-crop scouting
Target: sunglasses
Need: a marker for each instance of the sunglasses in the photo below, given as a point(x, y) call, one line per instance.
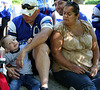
point(27, 6)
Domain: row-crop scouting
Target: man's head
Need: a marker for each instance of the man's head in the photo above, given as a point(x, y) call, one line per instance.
point(9, 43)
point(29, 7)
point(59, 5)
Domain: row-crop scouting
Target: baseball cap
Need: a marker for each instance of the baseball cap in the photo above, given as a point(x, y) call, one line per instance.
point(29, 7)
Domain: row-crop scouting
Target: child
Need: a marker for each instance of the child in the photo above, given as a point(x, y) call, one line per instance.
point(26, 78)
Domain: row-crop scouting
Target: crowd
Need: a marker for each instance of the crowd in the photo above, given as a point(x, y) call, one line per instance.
point(36, 42)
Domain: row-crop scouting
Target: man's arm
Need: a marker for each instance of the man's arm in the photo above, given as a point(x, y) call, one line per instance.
point(41, 37)
point(38, 39)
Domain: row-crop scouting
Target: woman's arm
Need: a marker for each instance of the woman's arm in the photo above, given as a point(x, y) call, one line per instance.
point(95, 50)
point(56, 46)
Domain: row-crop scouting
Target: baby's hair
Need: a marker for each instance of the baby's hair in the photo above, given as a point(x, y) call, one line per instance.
point(2, 41)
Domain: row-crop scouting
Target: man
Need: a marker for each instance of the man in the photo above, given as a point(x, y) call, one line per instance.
point(33, 24)
point(59, 5)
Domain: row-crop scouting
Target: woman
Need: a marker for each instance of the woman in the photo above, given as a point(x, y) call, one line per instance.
point(75, 51)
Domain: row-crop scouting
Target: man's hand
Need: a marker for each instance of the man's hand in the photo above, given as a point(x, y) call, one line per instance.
point(13, 72)
point(20, 58)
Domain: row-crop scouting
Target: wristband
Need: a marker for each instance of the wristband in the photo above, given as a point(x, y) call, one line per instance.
point(95, 66)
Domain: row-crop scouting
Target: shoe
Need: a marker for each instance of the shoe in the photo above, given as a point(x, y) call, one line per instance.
point(72, 88)
point(43, 88)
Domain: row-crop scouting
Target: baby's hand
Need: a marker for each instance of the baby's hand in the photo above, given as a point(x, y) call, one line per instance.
point(29, 40)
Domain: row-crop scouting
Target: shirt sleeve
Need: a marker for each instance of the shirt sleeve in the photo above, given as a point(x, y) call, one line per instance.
point(46, 22)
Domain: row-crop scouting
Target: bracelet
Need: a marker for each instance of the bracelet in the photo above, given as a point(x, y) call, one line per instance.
point(95, 66)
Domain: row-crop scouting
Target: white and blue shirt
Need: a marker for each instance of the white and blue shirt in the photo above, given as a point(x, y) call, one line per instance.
point(23, 31)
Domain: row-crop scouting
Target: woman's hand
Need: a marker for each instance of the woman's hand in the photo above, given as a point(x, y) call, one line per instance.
point(94, 70)
point(77, 69)
point(13, 72)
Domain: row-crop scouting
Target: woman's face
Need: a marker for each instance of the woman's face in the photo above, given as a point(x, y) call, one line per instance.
point(69, 16)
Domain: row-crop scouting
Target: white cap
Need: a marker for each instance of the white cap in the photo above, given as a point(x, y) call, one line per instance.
point(31, 3)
